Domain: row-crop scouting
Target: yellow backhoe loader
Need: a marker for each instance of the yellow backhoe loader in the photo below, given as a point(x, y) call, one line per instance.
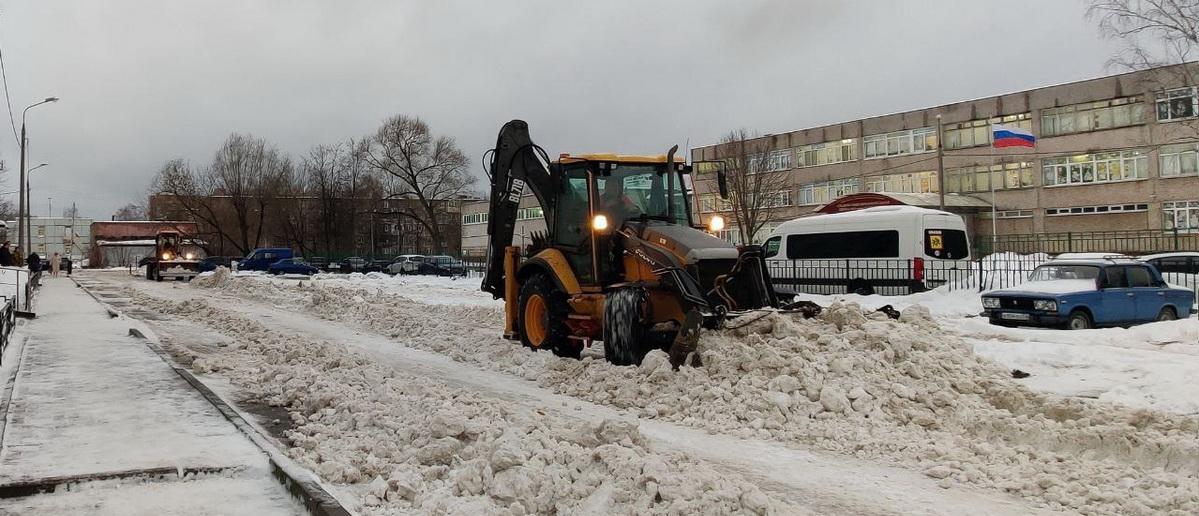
point(621, 260)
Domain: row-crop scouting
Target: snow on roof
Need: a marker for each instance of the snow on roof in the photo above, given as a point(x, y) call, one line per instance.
point(877, 212)
point(136, 243)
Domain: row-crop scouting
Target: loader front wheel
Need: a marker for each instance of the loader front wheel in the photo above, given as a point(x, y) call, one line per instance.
point(626, 322)
point(543, 315)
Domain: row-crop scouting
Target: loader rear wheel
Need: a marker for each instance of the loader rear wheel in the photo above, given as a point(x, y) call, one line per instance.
point(626, 324)
point(543, 315)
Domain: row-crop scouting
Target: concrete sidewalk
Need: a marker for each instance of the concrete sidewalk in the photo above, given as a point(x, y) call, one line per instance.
point(97, 413)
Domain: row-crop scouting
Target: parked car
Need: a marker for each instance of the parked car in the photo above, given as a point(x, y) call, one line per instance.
point(1082, 294)
point(378, 265)
point(406, 264)
point(212, 262)
point(292, 266)
point(441, 265)
point(352, 264)
point(262, 258)
point(1179, 268)
point(320, 262)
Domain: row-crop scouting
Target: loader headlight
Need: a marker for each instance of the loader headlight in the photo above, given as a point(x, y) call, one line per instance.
point(990, 302)
point(190, 256)
point(1047, 305)
point(599, 222)
point(716, 223)
point(166, 256)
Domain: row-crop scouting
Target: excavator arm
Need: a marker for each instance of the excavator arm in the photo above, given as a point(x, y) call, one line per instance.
point(516, 164)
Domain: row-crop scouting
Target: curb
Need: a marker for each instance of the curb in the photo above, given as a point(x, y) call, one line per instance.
point(301, 483)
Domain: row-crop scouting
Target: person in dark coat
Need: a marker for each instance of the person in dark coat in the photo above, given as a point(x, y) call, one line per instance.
point(34, 262)
point(70, 264)
point(5, 255)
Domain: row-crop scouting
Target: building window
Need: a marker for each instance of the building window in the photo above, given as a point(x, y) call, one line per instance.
point(777, 199)
point(529, 213)
point(1007, 214)
point(773, 161)
point(709, 203)
point(978, 132)
point(1092, 116)
point(1105, 167)
point(821, 193)
point(1092, 210)
point(1179, 160)
point(1177, 104)
point(916, 182)
point(898, 143)
point(473, 218)
point(826, 153)
point(1181, 215)
point(1005, 176)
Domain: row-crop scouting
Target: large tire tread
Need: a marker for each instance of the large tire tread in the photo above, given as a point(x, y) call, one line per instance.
point(558, 340)
point(625, 327)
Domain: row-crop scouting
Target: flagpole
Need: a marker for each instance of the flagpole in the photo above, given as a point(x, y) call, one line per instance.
point(991, 180)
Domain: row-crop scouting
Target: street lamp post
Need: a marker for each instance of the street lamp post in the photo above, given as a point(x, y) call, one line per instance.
point(26, 224)
point(23, 210)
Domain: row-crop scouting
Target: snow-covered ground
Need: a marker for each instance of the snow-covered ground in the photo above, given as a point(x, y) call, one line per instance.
point(90, 401)
point(851, 399)
point(1145, 366)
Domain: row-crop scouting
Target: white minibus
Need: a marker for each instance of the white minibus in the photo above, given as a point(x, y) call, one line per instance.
point(890, 250)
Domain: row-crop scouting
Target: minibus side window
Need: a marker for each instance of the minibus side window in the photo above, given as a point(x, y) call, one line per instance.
point(771, 247)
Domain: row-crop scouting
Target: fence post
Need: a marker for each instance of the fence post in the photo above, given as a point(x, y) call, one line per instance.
point(1175, 237)
point(1069, 241)
point(980, 275)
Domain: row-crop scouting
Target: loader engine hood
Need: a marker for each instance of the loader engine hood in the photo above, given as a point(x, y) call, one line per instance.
point(689, 244)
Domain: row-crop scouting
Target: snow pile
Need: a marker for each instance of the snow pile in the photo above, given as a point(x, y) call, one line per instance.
point(861, 384)
point(879, 389)
point(412, 444)
point(218, 278)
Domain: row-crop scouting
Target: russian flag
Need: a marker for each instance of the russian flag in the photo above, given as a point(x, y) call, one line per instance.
point(1005, 136)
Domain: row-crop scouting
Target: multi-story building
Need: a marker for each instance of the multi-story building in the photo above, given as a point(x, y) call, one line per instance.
point(1113, 153)
point(529, 220)
point(67, 236)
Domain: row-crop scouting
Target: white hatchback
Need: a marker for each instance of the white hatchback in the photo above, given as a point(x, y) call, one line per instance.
point(406, 264)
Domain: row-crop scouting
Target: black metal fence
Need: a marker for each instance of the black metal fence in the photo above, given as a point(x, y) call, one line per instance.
point(900, 277)
point(1134, 242)
point(8, 321)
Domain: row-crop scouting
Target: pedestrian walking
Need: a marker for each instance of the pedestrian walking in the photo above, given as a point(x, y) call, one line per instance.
point(55, 265)
point(34, 262)
point(6, 258)
point(70, 265)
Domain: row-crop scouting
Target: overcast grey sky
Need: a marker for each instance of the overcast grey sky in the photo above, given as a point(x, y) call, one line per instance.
point(144, 81)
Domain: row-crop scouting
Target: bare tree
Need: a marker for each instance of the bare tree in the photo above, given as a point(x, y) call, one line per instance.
point(429, 170)
point(756, 181)
point(131, 211)
point(1161, 36)
point(233, 197)
point(1153, 32)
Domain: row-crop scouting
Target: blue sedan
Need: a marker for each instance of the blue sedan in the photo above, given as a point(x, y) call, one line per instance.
point(291, 266)
point(1082, 294)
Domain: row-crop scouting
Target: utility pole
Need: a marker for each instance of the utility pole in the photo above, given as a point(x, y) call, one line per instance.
point(940, 164)
point(49, 207)
point(23, 210)
point(21, 204)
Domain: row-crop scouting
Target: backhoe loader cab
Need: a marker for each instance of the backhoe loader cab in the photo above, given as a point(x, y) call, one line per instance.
point(620, 261)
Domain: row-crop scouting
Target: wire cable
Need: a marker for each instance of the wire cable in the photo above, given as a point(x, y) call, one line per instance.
point(7, 100)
